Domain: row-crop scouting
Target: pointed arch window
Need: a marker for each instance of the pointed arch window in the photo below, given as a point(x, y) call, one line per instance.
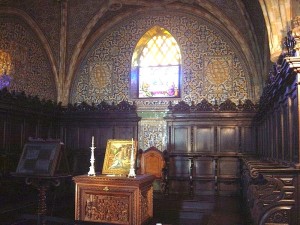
point(156, 65)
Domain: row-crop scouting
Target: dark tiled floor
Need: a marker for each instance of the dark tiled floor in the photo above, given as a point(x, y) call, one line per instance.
point(19, 207)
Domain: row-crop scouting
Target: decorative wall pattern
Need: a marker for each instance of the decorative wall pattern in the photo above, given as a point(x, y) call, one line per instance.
point(205, 51)
point(212, 69)
point(229, 8)
point(46, 14)
point(152, 132)
point(31, 69)
point(79, 14)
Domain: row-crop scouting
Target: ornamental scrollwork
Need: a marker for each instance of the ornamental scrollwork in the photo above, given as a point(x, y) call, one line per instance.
point(107, 208)
point(205, 106)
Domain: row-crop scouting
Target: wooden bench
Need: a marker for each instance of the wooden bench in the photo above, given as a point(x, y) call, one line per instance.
point(270, 190)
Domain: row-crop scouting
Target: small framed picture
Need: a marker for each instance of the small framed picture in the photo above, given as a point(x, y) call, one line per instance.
point(118, 155)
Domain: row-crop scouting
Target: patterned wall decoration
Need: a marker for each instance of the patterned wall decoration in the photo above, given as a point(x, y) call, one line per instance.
point(229, 8)
point(212, 68)
point(79, 15)
point(46, 14)
point(31, 71)
point(152, 132)
point(205, 51)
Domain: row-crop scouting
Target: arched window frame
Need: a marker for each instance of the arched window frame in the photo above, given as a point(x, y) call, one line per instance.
point(171, 83)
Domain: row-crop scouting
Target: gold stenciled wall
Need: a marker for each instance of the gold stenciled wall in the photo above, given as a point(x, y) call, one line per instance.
point(30, 68)
point(212, 69)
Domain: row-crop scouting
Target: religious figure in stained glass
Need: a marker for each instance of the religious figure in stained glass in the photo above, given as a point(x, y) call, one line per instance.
point(157, 61)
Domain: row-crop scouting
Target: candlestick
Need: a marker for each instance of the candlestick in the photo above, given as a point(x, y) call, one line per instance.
point(92, 160)
point(132, 171)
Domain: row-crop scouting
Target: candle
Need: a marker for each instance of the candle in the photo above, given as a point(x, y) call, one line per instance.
point(92, 141)
point(132, 142)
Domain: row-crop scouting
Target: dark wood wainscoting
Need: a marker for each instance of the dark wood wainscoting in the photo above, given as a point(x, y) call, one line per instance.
point(104, 121)
point(23, 117)
point(205, 143)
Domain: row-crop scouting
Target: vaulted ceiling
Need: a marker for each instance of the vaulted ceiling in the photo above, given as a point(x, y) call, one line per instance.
point(67, 28)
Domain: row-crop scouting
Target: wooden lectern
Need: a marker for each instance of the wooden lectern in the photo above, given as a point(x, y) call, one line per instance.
point(41, 167)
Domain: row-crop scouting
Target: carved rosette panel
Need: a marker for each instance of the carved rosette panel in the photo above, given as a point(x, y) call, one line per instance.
point(107, 208)
point(280, 216)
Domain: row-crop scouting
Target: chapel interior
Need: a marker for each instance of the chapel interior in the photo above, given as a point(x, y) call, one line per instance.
point(205, 90)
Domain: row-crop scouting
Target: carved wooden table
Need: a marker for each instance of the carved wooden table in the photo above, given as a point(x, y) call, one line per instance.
point(114, 199)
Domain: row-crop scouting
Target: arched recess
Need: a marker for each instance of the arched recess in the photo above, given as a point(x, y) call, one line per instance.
point(219, 20)
point(217, 17)
point(35, 28)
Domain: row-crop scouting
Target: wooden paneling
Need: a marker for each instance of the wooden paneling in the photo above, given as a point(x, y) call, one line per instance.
point(204, 146)
point(179, 166)
point(204, 167)
point(104, 122)
point(204, 175)
point(278, 119)
point(2, 132)
point(203, 139)
point(125, 132)
point(180, 139)
point(22, 117)
point(228, 139)
point(248, 141)
point(271, 181)
point(102, 134)
point(229, 166)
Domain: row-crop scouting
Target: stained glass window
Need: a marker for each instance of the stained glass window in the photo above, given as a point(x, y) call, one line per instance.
point(156, 65)
point(5, 69)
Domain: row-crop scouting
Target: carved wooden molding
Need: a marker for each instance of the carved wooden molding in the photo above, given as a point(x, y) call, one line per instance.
point(103, 106)
point(270, 191)
point(205, 106)
point(20, 101)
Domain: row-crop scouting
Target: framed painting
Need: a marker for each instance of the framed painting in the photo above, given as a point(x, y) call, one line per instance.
point(117, 156)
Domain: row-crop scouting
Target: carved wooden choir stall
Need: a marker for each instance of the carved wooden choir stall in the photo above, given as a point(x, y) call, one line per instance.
point(270, 182)
point(212, 149)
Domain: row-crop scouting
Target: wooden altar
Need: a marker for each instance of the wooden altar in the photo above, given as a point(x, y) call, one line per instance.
point(114, 199)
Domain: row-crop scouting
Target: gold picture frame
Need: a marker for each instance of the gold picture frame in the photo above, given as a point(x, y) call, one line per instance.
point(117, 156)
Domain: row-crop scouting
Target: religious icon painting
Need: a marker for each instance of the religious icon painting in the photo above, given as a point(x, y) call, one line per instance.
point(118, 156)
